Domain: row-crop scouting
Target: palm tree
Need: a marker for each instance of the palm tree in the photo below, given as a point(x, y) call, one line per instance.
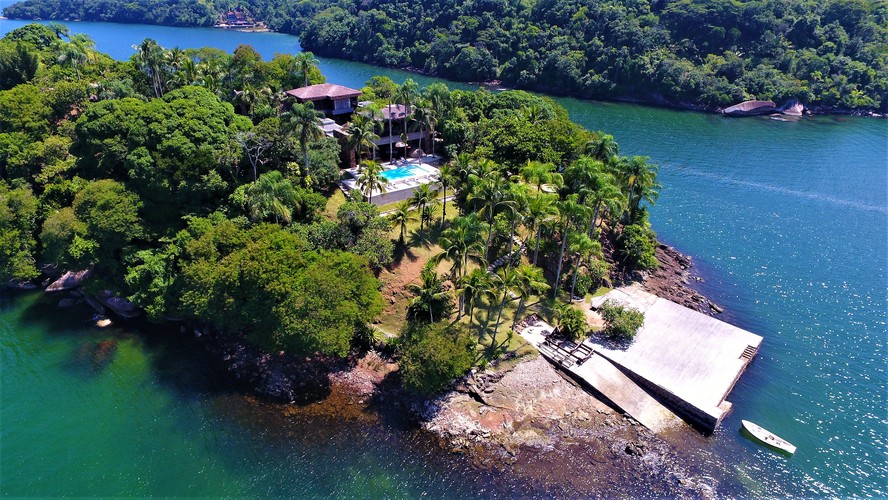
point(370, 178)
point(423, 196)
point(539, 173)
point(517, 197)
point(570, 212)
point(473, 287)
point(401, 217)
point(461, 242)
point(302, 121)
point(640, 180)
point(583, 248)
point(531, 281)
point(408, 92)
point(424, 118)
point(271, 196)
point(360, 135)
point(59, 29)
point(304, 62)
point(603, 148)
point(174, 58)
point(446, 178)
point(150, 55)
point(506, 280)
point(607, 197)
point(541, 209)
point(78, 49)
point(431, 293)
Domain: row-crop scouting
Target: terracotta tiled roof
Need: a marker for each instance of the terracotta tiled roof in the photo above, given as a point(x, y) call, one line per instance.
point(323, 91)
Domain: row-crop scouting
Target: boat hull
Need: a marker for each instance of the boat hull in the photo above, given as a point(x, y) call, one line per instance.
point(767, 437)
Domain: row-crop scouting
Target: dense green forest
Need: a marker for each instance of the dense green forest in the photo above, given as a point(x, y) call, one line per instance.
point(713, 53)
point(190, 186)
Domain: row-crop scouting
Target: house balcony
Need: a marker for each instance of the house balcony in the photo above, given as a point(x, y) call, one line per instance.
point(385, 140)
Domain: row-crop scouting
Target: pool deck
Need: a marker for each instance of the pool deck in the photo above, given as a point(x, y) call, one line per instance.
point(398, 189)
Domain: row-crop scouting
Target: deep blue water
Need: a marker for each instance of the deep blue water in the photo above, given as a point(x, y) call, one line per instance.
point(788, 224)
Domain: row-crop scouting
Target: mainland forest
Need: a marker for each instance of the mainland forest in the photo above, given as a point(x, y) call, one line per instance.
point(831, 55)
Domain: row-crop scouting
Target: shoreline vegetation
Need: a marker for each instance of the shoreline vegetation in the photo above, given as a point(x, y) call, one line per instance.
point(824, 54)
point(190, 188)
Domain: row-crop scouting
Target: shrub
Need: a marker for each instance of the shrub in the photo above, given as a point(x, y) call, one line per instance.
point(637, 245)
point(433, 355)
point(620, 322)
point(572, 322)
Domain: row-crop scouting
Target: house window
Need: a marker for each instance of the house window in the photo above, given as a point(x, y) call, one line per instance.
point(341, 104)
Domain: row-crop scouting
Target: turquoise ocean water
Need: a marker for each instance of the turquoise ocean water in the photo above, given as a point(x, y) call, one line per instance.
point(786, 221)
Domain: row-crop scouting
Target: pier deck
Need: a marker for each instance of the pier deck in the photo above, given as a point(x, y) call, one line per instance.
point(687, 358)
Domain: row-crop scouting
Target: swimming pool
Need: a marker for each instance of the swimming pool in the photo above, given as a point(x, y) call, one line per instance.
point(397, 174)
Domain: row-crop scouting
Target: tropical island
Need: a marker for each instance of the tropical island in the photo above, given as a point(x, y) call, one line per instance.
point(211, 191)
point(698, 54)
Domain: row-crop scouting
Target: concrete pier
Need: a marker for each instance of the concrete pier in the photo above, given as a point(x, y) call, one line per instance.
point(681, 362)
point(689, 359)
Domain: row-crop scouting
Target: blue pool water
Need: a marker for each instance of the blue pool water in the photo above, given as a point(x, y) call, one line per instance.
point(400, 173)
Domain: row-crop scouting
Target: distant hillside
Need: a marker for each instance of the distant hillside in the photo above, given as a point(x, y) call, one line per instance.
point(708, 53)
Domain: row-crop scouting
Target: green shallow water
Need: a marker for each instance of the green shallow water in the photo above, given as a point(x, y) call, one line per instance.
point(787, 223)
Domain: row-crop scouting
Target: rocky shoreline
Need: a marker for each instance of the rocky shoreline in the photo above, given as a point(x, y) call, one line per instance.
point(522, 417)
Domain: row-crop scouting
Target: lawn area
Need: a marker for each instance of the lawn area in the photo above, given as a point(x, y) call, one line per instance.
point(336, 200)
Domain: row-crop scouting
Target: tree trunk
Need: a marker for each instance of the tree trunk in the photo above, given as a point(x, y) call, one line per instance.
point(560, 261)
point(391, 144)
point(594, 219)
point(573, 282)
point(444, 215)
point(500, 314)
point(518, 312)
point(536, 249)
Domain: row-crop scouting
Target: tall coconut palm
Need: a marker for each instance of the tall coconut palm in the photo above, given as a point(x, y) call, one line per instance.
point(174, 58)
point(304, 62)
point(78, 50)
point(517, 196)
point(150, 56)
point(408, 92)
point(361, 135)
point(422, 197)
point(430, 294)
point(538, 173)
point(460, 243)
point(473, 288)
point(401, 217)
point(603, 148)
point(505, 280)
point(571, 211)
point(541, 209)
point(272, 196)
point(531, 281)
point(447, 177)
point(59, 29)
point(640, 183)
point(607, 197)
point(370, 178)
point(424, 120)
point(583, 247)
point(584, 176)
point(302, 121)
